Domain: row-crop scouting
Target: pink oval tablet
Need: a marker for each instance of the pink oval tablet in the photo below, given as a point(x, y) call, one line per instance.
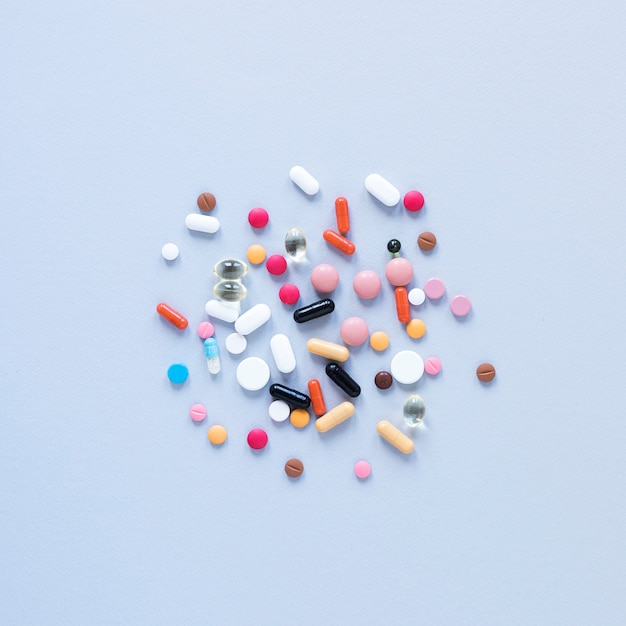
point(413, 201)
point(205, 330)
point(288, 294)
point(197, 412)
point(325, 278)
point(354, 331)
point(460, 306)
point(362, 469)
point(399, 272)
point(276, 264)
point(434, 288)
point(257, 438)
point(432, 366)
point(366, 284)
point(258, 218)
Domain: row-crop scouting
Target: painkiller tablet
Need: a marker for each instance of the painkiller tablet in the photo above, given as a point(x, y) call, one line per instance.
point(221, 311)
point(382, 190)
point(235, 343)
point(283, 354)
point(253, 373)
point(279, 411)
point(202, 223)
point(252, 319)
point(304, 180)
point(169, 251)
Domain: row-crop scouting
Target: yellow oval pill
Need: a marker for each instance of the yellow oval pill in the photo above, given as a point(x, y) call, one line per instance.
point(217, 434)
point(395, 436)
point(335, 416)
point(299, 418)
point(379, 341)
point(256, 254)
point(416, 329)
point(327, 349)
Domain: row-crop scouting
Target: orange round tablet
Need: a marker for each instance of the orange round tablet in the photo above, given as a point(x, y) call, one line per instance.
point(217, 434)
point(299, 418)
point(379, 341)
point(416, 329)
point(256, 254)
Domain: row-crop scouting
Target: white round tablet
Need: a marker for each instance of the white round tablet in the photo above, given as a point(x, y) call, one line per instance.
point(417, 296)
point(279, 411)
point(407, 367)
point(235, 343)
point(169, 251)
point(253, 373)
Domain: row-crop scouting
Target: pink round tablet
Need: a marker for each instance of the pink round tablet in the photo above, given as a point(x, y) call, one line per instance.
point(432, 366)
point(258, 218)
point(362, 469)
point(324, 278)
point(257, 438)
point(399, 272)
point(205, 330)
point(413, 201)
point(276, 264)
point(288, 294)
point(460, 306)
point(366, 284)
point(434, 288)
point(197, 412)
point(354, 331)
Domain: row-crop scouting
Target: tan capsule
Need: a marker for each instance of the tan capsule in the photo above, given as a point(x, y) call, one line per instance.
point(335, 416)
point(394, 436)
point(328, 349)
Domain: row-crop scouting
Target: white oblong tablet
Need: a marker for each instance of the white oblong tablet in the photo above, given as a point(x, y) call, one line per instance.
point(417, 296)
point(382, 190)
point(252, 319)
point(279, 411)
point(235, 343)
point(283, 354)
point(407, 367)
point(304, 180)
point(169, 251)
point(202, 223)
point(221, 311)
point(253, 373)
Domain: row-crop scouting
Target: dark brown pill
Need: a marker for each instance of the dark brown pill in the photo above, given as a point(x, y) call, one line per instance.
point(294, 468)
point(206, 201)
point(427, 241)
point(383, 380)
point(486, 372)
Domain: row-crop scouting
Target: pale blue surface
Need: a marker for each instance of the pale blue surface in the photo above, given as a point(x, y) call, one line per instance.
point(509, 117)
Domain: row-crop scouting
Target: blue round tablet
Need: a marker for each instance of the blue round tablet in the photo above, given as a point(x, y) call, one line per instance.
point(177, 373)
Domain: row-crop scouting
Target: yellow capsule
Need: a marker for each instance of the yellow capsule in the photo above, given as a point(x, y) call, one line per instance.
point(327, 349)
point(395, 436)
point(299, 418)
point(335, 416)
point(379, 341)
point(416, 329)
point(256, 254)
point(217, 434)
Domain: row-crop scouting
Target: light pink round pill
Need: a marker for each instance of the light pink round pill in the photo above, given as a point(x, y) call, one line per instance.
point(197, 412)
point(362, 469)
point(354, 331)
point(399, 272)
point(205, 330)
point(432, 366)
point(434, 288)
point(324, 278)
point(460, 306)
point(366, 284)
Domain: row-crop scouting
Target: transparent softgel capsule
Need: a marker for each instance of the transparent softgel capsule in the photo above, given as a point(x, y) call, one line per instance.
point(414, 409)
point(230, 290)
point(230, 269)
point(212, 354)
point(295, 244)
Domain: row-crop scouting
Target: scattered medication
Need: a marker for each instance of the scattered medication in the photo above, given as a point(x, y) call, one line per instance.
point(407, 367)
point(217, 434)
point(324, 278)
point(460, 306)
point(413, 201)
point(366, 284)
point(289, 294)
point(235, 343)
point(395, 436)
point(379, 341)
point(399, 271)
point(414, 410)
point(172, 316)
point(314, 310)
point(276, 264)
point(212, 354)
point(304, 180)
point(434, 288)
point(221, 311)
point(294, 468)
point(394, 246)
point(177, 373)
point(256, 254)
point(299, 418)
point(292, 397)
point(253, 373)
point(327, 349)
point(354, 331)
point(382, 190)
point(362, 469)
point(206, 201)
point(295, 244)
point(205, 330)
point(486, 372)
point(343, 215)
point(383, 380)
point(230, 269)
point(197, 412)
point(339, 241)
point(335, 416)
point(202, 223)
point(416, 329)
point(257, 439)
point(426, 241)
point(258, 218)
point(343, 380)
point(230, 290)
point(283, 354)
point(253, 318)
point(403, 310)
point(417, 296)
point(432, 366)
point(169, 251)
point(279, 411)
point(317, 397)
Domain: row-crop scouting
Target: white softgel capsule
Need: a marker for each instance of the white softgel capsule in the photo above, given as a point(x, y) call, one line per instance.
point(252, 319)
point(283, 354)
point(304, 180)
point(221, 311)
point(382, 190)
point(202, 223)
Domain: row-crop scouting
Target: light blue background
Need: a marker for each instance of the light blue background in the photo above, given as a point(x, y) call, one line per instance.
point(508, 116)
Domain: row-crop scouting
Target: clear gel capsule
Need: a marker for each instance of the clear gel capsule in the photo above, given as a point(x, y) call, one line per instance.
point(230, 290)
point(295, 244)
point(230, 269)
point(212, 355)
point(414, 409)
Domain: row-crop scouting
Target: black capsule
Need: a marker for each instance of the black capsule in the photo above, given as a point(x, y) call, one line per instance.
point(312, 311)
point(342, 379)
point(393, 245)
point(292, 397)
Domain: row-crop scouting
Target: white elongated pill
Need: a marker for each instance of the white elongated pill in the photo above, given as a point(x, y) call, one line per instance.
point(252, 319)
point(382, 190)
point(221, 310)
point(304, 180)
point(202, 223)
point(283, 354)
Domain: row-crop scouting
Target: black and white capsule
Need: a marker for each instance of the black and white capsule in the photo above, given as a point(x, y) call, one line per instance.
point(342, 379)
point(292, 397)
point(313, 311)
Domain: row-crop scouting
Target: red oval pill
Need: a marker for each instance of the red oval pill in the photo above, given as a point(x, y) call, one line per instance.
point(172, 316)
point(257, 438)
point(343, 215)
point(339, 241)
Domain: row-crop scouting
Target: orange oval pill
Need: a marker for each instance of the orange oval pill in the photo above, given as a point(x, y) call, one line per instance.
point(402, 305)
point(317, 398)
point(172, 316)
point(343, 216)
point(339, 241)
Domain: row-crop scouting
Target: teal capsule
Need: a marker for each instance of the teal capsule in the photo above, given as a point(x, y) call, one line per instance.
point(414, 409)
point(230, 290)
point(295, 244)
point(230, 269)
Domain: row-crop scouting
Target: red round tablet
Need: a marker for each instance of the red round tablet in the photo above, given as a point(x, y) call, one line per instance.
point(276, 264)
point(413, 201)
point(258, 218)
point(289, 294)
point(257, 438)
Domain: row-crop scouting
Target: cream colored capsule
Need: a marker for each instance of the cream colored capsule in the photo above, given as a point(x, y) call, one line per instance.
point(327, 349)
point(394, 436)
point(335, 416)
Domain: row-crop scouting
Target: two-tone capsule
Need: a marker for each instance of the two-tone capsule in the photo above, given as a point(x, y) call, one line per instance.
point(293, 397)
point(343, 380)
point(314, 310)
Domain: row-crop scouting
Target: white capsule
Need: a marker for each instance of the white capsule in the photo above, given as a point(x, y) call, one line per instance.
point(304, 180)
point(252, 319)
point(382, 190)
point(202, 223)
point(221, 310)
point(283, 354)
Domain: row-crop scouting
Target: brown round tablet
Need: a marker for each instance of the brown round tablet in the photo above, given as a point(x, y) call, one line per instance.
point(427, 241)
point(383, 380)
point(486, 372)
point(206, 201)
point(294, 468)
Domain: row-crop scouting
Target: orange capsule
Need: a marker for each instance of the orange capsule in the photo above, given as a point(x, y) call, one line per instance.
point(343, 216)
point(317, 398)
point(402, 305)
point(172, 316)
point(339, 241)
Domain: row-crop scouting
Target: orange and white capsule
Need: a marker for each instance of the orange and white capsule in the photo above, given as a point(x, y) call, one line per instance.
point(402, 305)
point(343, 215)
point(317, 397)
point(339, 241)
point(172, 316)
point(395, 436)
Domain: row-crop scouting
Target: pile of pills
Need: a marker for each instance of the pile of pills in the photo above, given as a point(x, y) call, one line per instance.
point(253, 373)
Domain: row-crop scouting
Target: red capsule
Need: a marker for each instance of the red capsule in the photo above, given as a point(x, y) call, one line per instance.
point(339, 241)
point(317, 398)
point(342, 215)
point(402, 305)
point(172, 316)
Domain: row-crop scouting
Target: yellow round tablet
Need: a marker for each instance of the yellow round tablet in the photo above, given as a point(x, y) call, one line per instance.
point(217, 434)
point(256, 254)
point(299, 418)
point(379, 341)
point(416, 329)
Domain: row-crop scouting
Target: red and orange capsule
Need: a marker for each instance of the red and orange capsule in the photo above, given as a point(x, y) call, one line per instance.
point(172, 316)
point(402, 305)
point(339, 241)
point(343, 216)
point(317, 398)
